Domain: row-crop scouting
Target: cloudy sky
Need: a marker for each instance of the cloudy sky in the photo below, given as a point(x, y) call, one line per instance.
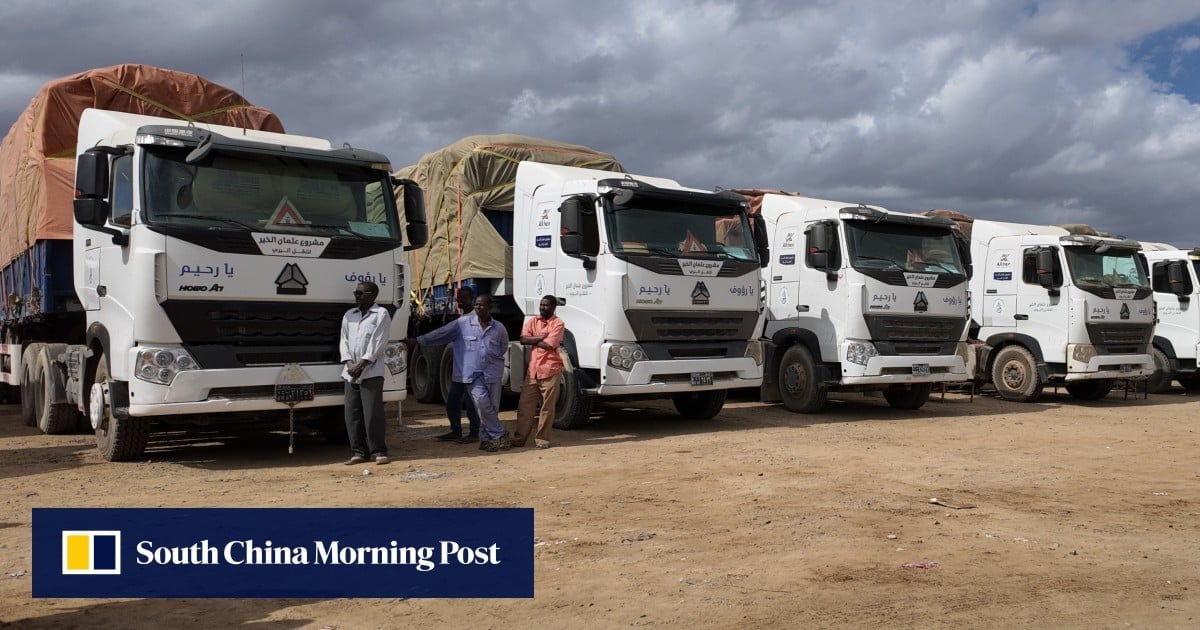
point(1035, 111)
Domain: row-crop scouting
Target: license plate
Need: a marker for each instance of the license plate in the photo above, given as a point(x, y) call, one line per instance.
point(920, 369)
point(701, 378)
point(294, 392)
point(1126, 367)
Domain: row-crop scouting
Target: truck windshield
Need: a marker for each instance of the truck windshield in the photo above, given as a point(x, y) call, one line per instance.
point(899, 247)
point(655, 227)
point(1113, 268)
point(268, 193)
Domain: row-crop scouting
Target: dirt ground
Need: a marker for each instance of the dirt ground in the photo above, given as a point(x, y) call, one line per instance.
point(1073, 515)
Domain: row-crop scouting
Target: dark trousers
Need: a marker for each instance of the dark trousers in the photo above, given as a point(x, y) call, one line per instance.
point(364, 417)
point(456, 400)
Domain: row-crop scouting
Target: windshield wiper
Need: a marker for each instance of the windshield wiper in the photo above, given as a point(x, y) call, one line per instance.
point(662, 251)
point(938, 264)
point(185, 215)
point(337, 227)
point(886, 260)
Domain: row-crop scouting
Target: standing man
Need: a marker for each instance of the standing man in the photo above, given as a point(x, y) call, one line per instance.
point(363, 341)
point(457, 398)
point(545, 333)
point(482, 342)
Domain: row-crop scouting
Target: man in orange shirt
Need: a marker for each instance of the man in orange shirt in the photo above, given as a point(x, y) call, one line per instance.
point(545, 334)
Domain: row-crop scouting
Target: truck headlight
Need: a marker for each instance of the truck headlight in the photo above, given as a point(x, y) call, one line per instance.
point(1083, 352)
point(160, 365)
point(754, 350)
point(395, 357)
point(860, 351)
point(624, 356)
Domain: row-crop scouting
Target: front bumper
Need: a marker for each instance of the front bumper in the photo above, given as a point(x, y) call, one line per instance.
point(1106, 365)
point(898, 370)
point(667, 377)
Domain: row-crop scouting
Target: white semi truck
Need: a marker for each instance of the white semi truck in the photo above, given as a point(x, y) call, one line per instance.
point(1175, 278)
point(1054, 306)
point(860, 299)
point(212, 266)
point(658, 283)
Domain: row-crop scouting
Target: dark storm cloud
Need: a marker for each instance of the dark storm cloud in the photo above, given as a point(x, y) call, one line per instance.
point(1030, 112)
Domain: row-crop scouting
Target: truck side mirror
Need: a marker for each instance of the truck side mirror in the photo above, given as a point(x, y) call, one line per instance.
point(417, 232)
point(1177, 278)
point(1047, 262)
point(91, 174)
point(821, 247)
point(964, 252)
point(577, 229)
point(758, 227)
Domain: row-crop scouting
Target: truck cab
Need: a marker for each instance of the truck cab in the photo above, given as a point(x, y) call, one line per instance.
point(658, 284)
point(207, 259)
point(860, 299)
point(1175, 278)
point(1052, 306)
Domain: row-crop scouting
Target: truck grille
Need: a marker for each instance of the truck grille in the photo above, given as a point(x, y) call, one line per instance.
point(1110, 338)
point(691, 325)
point(917, 329)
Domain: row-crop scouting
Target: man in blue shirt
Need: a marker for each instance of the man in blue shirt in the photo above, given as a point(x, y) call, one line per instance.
point(480, 343)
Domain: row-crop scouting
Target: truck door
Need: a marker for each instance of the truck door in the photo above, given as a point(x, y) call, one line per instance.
point(539, 262)
point(1176, 313)
point(1002, 269)
point(1042, 313)
point(788, 241)
point(99, 250)
point(820, 306)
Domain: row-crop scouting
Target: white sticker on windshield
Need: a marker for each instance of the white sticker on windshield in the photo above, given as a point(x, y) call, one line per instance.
point(920, 280)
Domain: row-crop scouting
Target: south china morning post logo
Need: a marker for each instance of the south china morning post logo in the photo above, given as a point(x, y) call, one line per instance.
point(91, 552)
point(284, 552)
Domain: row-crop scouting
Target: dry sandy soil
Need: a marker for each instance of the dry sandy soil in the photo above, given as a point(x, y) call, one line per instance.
point(1074, 515)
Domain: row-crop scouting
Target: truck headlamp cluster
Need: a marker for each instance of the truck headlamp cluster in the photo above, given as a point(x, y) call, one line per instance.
point(624, 356)
point(1083, 352)
point(160, 365)
point(860, 352)
point(395, 357)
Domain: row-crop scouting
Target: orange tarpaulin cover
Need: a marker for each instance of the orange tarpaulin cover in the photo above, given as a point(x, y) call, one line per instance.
point(37, 157)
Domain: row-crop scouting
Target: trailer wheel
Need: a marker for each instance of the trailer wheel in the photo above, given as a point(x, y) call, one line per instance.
point(573, 409)
point(699, 405)
point(1160, 380)
point(1090, 390)
point(425, 386)
point(908, 397)
point(52, 418)
point(117, 440)
point(798, 385)
point(30, 387)
point(1014, 375)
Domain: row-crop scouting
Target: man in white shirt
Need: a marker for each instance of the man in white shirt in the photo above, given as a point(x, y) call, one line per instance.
point(363, 341)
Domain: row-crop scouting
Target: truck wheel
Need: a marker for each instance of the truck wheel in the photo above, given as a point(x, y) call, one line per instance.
point(425, 387)
point(1160, 380)
point(699, 405)
point(573, 408)
point(908, 397)
point(117, 440)
point(798, 385)
point(52, 418)
point(1014, 375)
point(445, 373)
point(1090, 390)
point(30, 387)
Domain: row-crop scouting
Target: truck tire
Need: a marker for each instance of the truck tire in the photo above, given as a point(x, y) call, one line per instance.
point(699, 405)
point(908, 397)
point(798, 384)
point(1094, 389)
point(573, 409)
point(117, 440)
point(445, 373)
point(1160, 380)
point(30, 387)
point(1015, 376)
point(425, 384)
point(52, 418)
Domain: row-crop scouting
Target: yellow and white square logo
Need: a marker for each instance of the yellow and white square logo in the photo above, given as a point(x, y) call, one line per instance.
point(91, 553)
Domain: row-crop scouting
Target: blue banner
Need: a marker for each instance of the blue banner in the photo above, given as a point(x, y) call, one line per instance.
point(291, 552)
